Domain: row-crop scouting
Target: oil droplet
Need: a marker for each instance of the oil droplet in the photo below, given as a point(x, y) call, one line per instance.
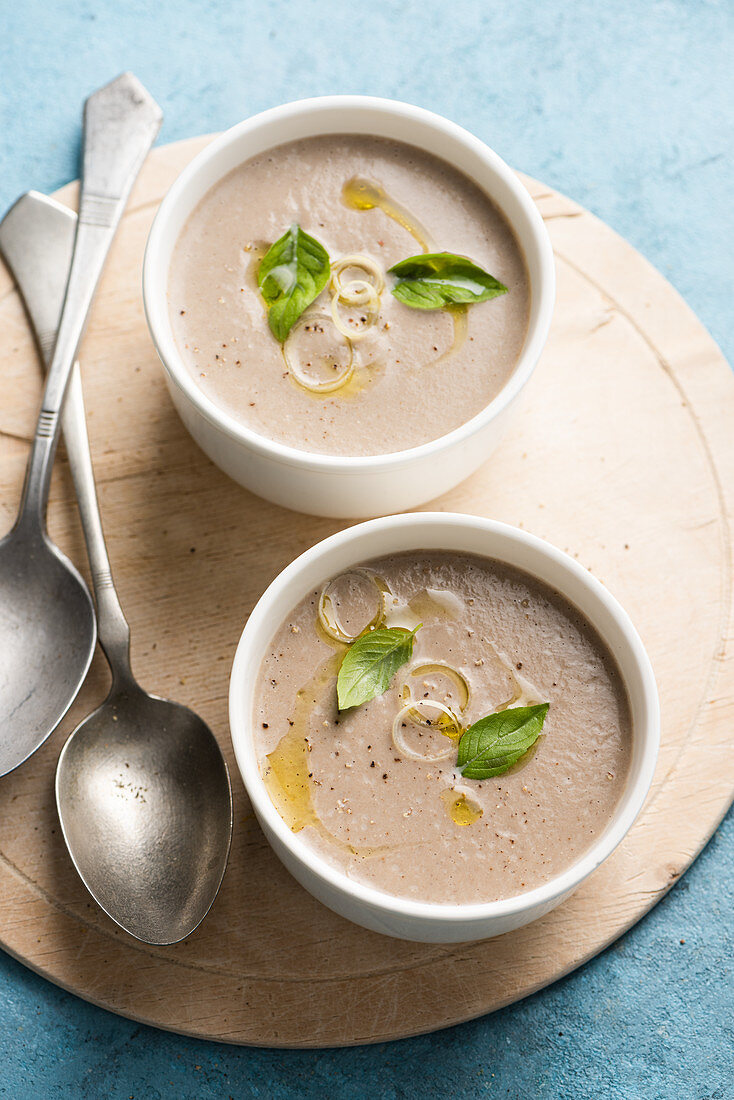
point(363, 194)
point(462, 809)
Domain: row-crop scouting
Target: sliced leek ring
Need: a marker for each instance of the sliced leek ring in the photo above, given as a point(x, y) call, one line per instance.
point(358, 294)
point(329, 617)
point(408, 712)
point(342, 373)
point(427, 669)
point(360, 262)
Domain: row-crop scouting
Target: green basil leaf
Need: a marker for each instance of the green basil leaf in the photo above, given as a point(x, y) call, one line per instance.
point(439, 279)
point(371, 662)
point(495, 743)
point(292, 273)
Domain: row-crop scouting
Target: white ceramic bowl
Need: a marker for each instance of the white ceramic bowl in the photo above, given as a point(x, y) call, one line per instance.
point(326, 484)
point(381, 912)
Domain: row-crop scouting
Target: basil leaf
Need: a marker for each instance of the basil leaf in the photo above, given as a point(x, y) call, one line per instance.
point(495, 743)
point(439, 279)
point(292, 273)
point(371, 662)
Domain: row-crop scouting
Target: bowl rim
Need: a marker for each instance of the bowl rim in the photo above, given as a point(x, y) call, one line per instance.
point(155, 278)
point(478, 913)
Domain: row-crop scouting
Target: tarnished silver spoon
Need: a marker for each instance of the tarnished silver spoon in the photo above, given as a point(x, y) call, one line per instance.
point(47, 626)
point(142, 788)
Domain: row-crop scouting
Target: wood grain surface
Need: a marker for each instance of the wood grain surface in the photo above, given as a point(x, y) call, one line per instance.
point(623, 456)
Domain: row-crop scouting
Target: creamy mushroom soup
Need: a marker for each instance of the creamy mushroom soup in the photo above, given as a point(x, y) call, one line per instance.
point(377, 788)
point(359, 371)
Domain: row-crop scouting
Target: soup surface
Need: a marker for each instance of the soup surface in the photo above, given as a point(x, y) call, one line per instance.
point(416, 374)
point(376, 789)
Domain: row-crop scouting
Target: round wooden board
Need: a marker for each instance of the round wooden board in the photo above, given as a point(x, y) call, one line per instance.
point(624, 456)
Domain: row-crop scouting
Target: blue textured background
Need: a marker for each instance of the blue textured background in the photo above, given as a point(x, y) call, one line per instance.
point(628, 108)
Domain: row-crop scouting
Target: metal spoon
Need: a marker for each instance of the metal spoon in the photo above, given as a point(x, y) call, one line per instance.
point(47, 625)
point(141, 786)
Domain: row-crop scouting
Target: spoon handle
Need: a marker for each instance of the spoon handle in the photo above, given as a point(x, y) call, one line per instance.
point(120, 124)
point(36, 242)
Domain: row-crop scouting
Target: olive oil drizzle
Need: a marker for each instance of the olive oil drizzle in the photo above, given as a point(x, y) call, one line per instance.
point(459, 315)
point(287, 777)
point(363, 194)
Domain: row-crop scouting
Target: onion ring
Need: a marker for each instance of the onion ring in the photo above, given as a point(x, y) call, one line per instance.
point(330, 622)
point(426, 669)
point(461, 805)
point(408, 711)
point(363, 263)
point(370, 305)
point(358, 292)
point(329, 384)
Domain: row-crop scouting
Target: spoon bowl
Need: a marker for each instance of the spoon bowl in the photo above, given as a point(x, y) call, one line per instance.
point(47, 636)
point(145, 807)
